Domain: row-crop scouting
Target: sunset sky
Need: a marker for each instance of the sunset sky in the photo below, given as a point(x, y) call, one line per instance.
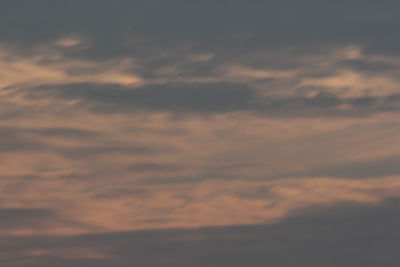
point(209, 133)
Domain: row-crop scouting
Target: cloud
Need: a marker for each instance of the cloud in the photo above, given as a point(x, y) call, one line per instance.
point(180, 98)
point(214, 98)
point(21, 221)
point(251, 25)
point(359, 170)
point(309, 85)
point(22, 217)
point(146, 170)
point(199, 133)
point(339, 235)
point(48, 66)
point(101, 207)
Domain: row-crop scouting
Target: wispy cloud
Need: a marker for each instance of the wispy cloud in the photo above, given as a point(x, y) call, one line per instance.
point(192, 121)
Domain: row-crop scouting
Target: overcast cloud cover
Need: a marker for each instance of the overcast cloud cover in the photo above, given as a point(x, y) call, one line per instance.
point(199, 133)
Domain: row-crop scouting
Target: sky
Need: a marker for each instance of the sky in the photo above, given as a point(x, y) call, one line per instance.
point(177, 133)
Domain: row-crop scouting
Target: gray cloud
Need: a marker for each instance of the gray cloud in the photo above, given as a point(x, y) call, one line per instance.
point(217, 98)
point(347, 235)
point(19, 217)
point(96, 150)
point(205, 98)
point(243, 26)
point(379, 167)
point(376, 168)
point(155, 167)
point(15, 139)
point(64, 132)
point(311, 78)
point(369, 67)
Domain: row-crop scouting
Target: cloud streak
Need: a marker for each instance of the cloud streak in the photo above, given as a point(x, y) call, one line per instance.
point(199, 134)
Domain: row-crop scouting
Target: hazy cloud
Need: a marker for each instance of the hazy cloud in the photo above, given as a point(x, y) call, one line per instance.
point(199, 133)
point(331, 236)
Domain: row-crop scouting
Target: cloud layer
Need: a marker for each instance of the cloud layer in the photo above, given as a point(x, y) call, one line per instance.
point(199, 134)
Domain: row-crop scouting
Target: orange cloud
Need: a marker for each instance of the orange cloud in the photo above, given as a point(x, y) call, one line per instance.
point(48, 66)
